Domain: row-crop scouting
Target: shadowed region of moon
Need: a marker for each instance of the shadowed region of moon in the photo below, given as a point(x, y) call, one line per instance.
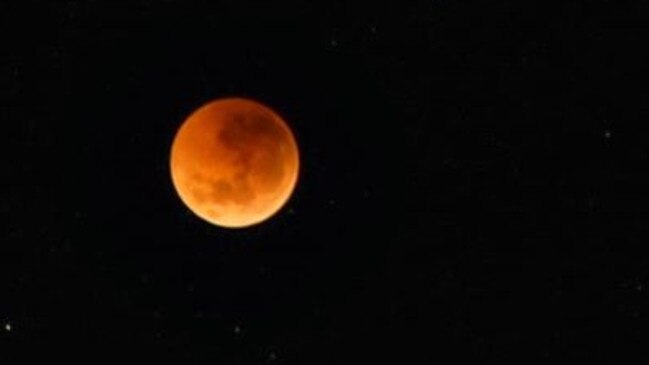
point(234, 162)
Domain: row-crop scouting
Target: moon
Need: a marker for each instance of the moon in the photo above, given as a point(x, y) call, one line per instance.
point(234, 162)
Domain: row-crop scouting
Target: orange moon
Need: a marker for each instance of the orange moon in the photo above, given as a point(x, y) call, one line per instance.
point(234, 162)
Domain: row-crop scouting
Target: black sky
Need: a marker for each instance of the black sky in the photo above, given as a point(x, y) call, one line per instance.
point(474, 183)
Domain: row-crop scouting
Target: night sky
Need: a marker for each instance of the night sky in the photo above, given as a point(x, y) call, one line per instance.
point(473, 189)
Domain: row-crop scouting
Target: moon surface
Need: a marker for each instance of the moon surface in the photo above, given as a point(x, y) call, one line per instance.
point(234, 162)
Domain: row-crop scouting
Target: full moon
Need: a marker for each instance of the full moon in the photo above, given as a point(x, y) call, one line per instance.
point(234, 162)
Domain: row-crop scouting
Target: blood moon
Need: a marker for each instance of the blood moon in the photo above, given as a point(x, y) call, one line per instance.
point(234, 162)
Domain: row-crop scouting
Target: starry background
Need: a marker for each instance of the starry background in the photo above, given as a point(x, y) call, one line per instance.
point(474, 182)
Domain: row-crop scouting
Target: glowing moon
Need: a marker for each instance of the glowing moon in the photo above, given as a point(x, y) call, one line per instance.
point(234, 162)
